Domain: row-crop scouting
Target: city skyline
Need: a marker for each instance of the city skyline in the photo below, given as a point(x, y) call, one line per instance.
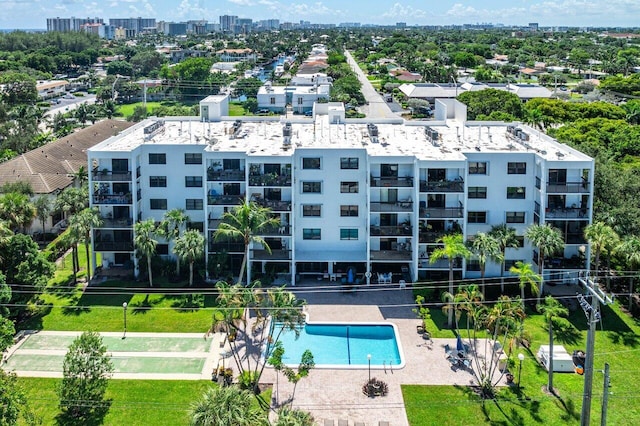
point(32, 14)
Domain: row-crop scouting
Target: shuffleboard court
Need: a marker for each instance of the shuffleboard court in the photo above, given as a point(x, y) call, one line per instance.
point(117, 344)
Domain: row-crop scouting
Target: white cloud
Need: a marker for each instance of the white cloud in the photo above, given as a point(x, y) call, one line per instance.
point(241, 2)
point(398, 11)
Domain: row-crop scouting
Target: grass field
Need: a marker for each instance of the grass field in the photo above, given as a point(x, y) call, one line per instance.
point(127, 110)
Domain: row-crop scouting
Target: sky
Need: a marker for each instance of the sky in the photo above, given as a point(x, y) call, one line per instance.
point(622, 13)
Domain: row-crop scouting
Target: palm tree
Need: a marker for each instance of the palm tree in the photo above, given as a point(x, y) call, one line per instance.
point(171, 226)
point(602, 239)
point(16, 210)
point(466, 300)
point(189, 248)
point(453, 247)
point(227, 406)
point(485, 247)
point(145, 243)
point(630, 248)
point(527, 277)
point(43, 208)
point(81, 225)
point(244, 222)
point(72, 200)
point(507, 238)
point(551, 309)
point(549, 241)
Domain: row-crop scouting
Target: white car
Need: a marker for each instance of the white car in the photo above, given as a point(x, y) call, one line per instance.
point(69, 96)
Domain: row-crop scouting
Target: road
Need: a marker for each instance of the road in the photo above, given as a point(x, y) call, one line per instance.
point(66, 105)
point(377, 107)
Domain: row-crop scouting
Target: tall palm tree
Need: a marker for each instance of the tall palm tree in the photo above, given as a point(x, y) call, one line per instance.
point(43, 206)
point(467, 300)
point(527, 277)
point(227, 406)
point(549, 241)
point(551, 309)
point(145, 242)
point(453, 247)
point(602, 239)
point(189, 247)
point(81, 225)
point(72, 200)
point(171, 226)
point(243, 223)
point(16, 209)
point(485, 247)
point(630, 248)
point(507, 238)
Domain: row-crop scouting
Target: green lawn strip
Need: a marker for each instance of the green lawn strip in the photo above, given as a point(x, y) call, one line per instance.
point(133, 402)
point(236, 109)
point(127, 110)
point(117, 344)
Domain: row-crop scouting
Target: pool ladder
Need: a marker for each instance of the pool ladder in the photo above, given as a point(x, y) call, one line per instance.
point(384, 365)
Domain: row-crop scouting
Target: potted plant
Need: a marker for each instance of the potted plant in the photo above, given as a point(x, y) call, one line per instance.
point(228, 376)
point(423, 314)
point(509, 378)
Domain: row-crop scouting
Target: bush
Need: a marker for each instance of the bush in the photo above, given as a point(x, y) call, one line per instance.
point(375, 387)
point(56, 248)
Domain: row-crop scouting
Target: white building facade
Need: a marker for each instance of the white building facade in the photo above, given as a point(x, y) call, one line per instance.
point(354, 199)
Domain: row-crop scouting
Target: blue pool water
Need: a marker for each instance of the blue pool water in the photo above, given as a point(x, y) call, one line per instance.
point(344, 345)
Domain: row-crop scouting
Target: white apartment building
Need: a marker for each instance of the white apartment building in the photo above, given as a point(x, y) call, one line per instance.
point(300, 98)
point(352, 196)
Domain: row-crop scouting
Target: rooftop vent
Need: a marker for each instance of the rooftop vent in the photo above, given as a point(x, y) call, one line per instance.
point(431, 134)
point(287, 131)
point(235, 130)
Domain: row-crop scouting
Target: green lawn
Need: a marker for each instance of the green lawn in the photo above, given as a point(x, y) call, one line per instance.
point(127, 109)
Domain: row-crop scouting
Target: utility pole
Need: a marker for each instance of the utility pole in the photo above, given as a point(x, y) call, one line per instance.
point(605, 395)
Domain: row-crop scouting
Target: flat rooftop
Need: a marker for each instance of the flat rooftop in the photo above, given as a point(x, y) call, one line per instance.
point(261, 136)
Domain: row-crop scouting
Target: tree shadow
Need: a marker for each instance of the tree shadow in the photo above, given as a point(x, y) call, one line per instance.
point(569, 408)
point(565, 332)
point(626, 338)
point(188, 302)
point(94, 418)
point(34, 321)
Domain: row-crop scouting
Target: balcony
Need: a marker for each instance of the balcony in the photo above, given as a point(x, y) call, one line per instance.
point(226, 175)
point(283, 230)
point(441, 212)
point(226, 246)
point(103, 176)
point(574, 238)
point(404, 255)
point(439, 264)
point(564, 263)
point(275, 205)
point(113, 246)
point(229, 200)
point(275, 255)
point(442, 186)
point(568, 187)
point(400, 206)
point(112, 198)
point(399, 182)
point(567, 213)
point(430, 236)
point(117, 223)
point(269, 179)
point(387, 231)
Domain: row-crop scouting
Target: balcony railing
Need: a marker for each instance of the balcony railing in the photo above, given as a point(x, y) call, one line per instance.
point(390, 255)
point(567, 187)
point(226, 246)
point(275, 255)
point(567, 213)
point(113, 246)
point(384, 231)
point(441, 212)
point(276, 230)
point(430, 236)
point(117, 223)
point(442, 186)
point(112, 199)
point(564, 263)
point(439, 264)
point(402, 182)
point(269, 179)
point(574, 238)
point(226, 175)
point(231, 200)
point(111, 176)
point(277, 206)
point(400, 206)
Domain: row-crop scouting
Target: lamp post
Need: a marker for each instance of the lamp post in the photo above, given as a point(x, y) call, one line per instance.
point(369, 360)
point(124, 311)
point(521, 358)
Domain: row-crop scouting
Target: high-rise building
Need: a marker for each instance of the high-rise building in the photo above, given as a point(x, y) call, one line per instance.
point(70, 24)
point(228, 23)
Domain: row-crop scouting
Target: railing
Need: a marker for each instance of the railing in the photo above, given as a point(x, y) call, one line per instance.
point(441, 212)
point(567, 187)
point(439, 264)
point(430, 236)
point(276, 230)
point(226, 175)
point(112, 199)
point(390, 254)
point(574, 238)
point(403, 182)
point(225, 199)
point(113, 246)
point(403, 230)
point(111, 176)
point(269, 179)
point(564, 263)
point(275, 255)
point(278, 206)
point(442, 186)
point(116, 223)
point(567, 213)
point(226, 246)
point(400, 206)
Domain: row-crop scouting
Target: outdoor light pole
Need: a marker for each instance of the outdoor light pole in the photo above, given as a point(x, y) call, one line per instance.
point(124, 311)
point(521, 358)
point(369, 360)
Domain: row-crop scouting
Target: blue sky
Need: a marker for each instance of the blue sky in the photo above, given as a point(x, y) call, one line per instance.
point(33, 13)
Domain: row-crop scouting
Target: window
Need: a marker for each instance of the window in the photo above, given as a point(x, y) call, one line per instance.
point(300, 99)
point(158, 181)
point(477, 192)
point(193, 204)
point(231, 164)
point(518, 168)
point(311, 163)
point(198, 226)
point(515, 217)
point(192, 158)
point(158, 204)
point(349, 234)
point(516, 192)
point(477, 168)
point(349, 210)
point(349, 163)
point(119, 165)
point(272, 100)
point(473, 265)
point(520, 240)
point(310, 233)
point(349, 187)
point(311, 187)
point(311, 210)
point(477, 217)
point(157, 158)
point(162, 249)
point(193, 181)
point(508, 263)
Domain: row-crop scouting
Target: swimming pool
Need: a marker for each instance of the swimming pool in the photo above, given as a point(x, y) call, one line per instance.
point(345, 345)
